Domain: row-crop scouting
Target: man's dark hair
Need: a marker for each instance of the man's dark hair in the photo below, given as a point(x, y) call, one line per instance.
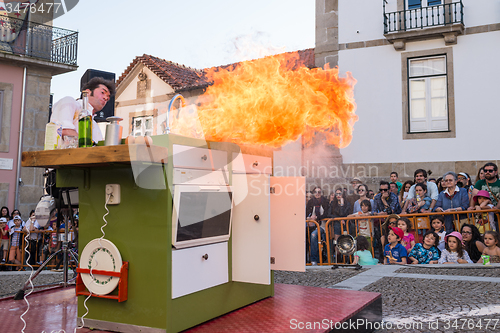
point(422, 171)
point(96, 81)
point(394, 173)
point(491, 164)
point(383, 182)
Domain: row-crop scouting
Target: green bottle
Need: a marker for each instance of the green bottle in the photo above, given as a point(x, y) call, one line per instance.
point(85, 124)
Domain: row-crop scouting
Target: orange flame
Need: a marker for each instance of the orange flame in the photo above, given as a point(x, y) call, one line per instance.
point(274, 100)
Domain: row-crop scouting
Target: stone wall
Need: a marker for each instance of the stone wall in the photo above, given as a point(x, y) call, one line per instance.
point(327, 33)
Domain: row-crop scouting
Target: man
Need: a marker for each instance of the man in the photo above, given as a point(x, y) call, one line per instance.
point(316, 209)
point(490, 183)
point(385, 201)
point(394, 188)
point(351, 198)
point(66, 110)
point(420, 176)
point(395, 179)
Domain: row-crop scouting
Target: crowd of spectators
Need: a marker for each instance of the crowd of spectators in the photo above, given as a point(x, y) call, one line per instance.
point(40, 242)
point(438, 241)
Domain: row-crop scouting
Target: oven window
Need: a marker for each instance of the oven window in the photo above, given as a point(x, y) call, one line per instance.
point(203, 215)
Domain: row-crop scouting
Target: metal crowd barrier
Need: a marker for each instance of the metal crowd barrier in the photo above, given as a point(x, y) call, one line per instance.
point(420, 221)
point(24, 255)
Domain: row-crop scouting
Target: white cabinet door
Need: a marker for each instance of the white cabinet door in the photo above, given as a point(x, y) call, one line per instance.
point(251, 230)
point(288, 211)
point(200, 267)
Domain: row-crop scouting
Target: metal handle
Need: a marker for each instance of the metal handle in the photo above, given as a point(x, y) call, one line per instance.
point(256, 163)
point(256, 217)
point(204, 157)
point(205, 256)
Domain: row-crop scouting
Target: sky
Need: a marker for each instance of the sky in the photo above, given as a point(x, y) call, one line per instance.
point(195, 33)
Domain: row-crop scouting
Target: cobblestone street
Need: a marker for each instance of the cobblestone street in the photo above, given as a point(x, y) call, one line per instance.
point(419, 298)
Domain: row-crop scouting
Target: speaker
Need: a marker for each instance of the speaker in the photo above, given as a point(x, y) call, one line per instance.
point(109, 108)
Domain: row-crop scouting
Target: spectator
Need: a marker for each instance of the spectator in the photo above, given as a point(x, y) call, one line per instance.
point(390, 221)
point(364, 228)
point(4, 232)
point(339, 208)
point(490, 183)
point(15, 241)
point(370, 194)
point(439, 183)
point(408, 240)
point(4, 212)
point(308, 197)
point(394, 252)
point(386, 202)
point(485, 220)
point(316, 209)
point(363, 195)
point(354, 196)
point(492, 242)
point(452, 199)
point(395, 179)
point(393, 187)
point(427, 251)
point(420, 176)
point(32, 227)
point(403, 194)
point(331, 198)
point(472, 241)
point(433, 180)
point(421, 202)
point(454, 253)
point(480, 174)
point(437, 226)
point(15, 212)
point(362, 256)
point(54, 244)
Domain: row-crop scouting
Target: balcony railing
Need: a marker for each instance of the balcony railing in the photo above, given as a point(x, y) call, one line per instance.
point(420, 18)
point(36, 40)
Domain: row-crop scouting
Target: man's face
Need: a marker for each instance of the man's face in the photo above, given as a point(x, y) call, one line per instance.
point(384, 189)
point(419, 178)
point(99, 97)
point(394, 188)
point(490, 173)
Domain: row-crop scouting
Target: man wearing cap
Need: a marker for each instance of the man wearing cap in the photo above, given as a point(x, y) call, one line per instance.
point(490, 183)
point(420, 176)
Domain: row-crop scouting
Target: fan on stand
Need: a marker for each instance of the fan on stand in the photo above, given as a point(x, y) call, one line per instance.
point(346, 246)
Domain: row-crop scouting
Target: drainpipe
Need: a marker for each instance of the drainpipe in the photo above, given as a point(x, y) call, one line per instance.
point(21, 132)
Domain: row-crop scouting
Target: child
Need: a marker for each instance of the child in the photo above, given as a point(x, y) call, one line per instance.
point(362, 256)
point(437, 226)
point(394, 252)
point(32, 227)
point(4, 232)
point(408, 240)
point(427, 251)
point(15, 241)
point(364, 225)
point(390, 221)
point(484, 221)
point(491, 240)
point(454, 253)
point(420, 201)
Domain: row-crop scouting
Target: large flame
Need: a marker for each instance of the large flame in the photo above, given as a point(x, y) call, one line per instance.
point(274, 100)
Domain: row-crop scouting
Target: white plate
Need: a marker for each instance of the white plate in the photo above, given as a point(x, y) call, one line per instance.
point(102, 255)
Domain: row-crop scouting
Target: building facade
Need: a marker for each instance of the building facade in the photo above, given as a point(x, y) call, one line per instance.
point(31, 52)
point(427, 84)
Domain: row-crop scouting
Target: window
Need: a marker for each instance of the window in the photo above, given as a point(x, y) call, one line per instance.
point(414, 4)
point(142, 126)
point(427, 94)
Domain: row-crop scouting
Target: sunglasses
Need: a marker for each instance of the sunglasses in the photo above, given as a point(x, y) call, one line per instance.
point(317, 191)
point(383, 189)
point(489, 170)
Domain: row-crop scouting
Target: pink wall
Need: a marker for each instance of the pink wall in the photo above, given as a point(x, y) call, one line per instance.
point(13, 75)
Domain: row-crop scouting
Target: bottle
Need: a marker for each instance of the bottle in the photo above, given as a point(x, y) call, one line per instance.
point(85, 124)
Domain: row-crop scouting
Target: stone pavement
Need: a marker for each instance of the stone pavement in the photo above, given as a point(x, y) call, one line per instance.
point(423, 298)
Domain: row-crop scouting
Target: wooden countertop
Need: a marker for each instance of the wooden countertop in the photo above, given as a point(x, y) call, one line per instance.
point(94, 156)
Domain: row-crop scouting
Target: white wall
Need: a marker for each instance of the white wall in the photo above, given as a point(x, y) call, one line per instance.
point(367, 17)
point(378, 133)
point(158, 86)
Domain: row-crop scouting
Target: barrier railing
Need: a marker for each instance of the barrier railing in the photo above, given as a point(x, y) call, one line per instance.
point(24, 255)
point(420, 221)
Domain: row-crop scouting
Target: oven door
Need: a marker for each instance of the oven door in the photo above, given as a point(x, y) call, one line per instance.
point(201, 215)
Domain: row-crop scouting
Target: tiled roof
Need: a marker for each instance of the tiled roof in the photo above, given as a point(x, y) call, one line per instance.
point(181, 77)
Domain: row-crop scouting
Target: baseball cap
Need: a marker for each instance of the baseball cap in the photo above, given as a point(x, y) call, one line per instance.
point(17, 217)
point(398, 232)
point(3, 219)
point(356, 180)
point(464, 174)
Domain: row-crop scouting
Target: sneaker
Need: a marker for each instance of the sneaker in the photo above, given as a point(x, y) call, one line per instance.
point(3, 261)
